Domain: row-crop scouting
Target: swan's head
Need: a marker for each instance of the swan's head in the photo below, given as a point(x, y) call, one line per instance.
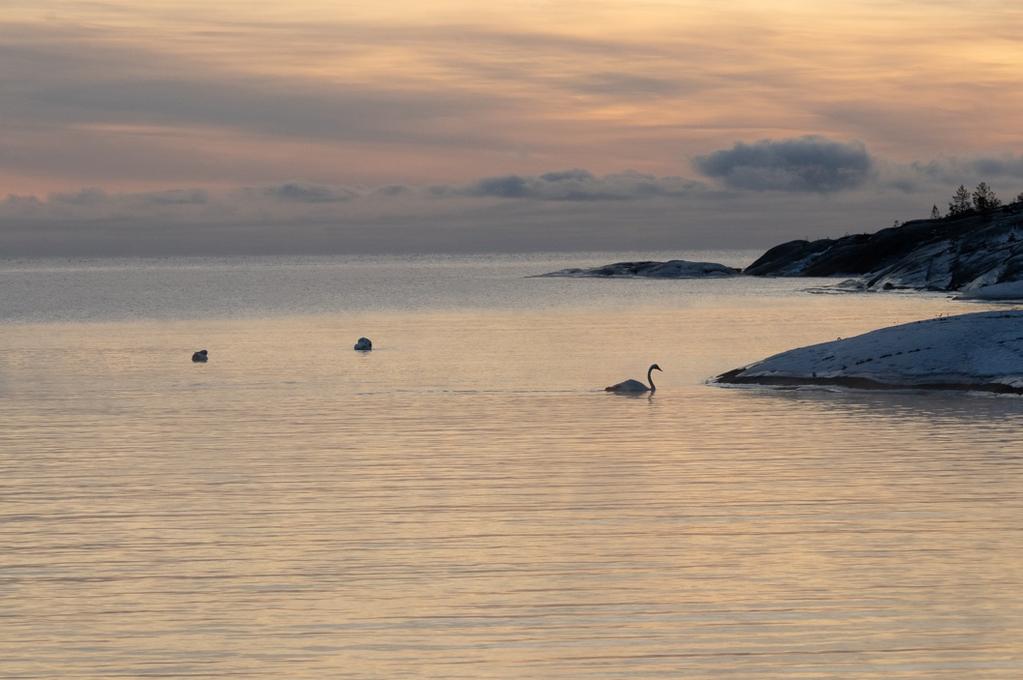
point(655, 367)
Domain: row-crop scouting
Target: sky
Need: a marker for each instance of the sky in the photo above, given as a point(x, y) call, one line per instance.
point(311, 126)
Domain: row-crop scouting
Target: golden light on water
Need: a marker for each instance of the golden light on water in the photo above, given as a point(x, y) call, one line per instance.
point(465, 500)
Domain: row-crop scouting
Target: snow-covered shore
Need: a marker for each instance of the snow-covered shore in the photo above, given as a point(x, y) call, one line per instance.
point(672, 269)
point(1012, 290)
point(980, 352)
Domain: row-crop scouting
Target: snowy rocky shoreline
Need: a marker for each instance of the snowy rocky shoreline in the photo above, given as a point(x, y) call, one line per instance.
point(972, 352)
point(966, 253)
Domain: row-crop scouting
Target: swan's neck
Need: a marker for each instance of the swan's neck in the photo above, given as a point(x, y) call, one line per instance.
point(650, 378)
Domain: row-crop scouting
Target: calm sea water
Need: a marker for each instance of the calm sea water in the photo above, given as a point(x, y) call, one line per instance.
point(465, 501)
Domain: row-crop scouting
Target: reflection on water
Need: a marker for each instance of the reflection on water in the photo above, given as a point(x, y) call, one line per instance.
point(466, 501)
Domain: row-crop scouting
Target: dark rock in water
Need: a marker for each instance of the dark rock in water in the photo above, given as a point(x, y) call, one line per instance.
point(200, 357)
point(964, 253)
point(364, 345)
point(672, 269)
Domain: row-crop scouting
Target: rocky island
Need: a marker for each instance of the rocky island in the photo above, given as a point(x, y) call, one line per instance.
point(972, 352)
point(672, 269)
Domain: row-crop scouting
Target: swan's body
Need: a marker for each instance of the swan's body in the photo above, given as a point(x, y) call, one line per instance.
point(628, 387)
point(200, 357)
point(635, 386)
point(364, 345)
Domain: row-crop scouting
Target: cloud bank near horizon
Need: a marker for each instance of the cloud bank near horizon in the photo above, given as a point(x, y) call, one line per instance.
point(842, 185)
point(565, 186)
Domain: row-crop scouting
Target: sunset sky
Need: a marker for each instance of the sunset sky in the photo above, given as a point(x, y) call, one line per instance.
point(178, 126)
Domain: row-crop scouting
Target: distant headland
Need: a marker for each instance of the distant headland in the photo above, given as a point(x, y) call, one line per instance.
point(975, 249)
point(976, 245)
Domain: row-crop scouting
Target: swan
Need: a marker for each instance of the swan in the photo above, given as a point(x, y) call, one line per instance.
point(200, 357)
point(364, 344)
point(635, 386)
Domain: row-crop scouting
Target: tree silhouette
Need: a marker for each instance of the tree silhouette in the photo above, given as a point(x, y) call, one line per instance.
point(984, 198)
point(935, 213)
point(960, 204)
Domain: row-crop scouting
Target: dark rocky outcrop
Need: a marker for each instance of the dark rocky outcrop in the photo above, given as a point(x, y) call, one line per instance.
point(964, 253)
point(672, 269)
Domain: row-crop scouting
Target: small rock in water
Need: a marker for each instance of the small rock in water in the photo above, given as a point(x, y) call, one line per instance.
point(364, 345)
point(200, 357)
point(672, 269)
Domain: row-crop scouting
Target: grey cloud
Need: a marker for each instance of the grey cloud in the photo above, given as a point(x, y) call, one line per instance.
point(952, 171)
point(89, 196)
point(237, 222)
point(92, 197)
point(393, 190)
point(93, 201)
point(1001, 167)
point(935, 170)
point(906, 186)
point(511, 186)
point(804, 164)
point(301, 216)
point(296, 198)
point(574, 174)
point(301, 192)
point(15, 205)
point(173, 197)
point(578, 185)
point(900, 177)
